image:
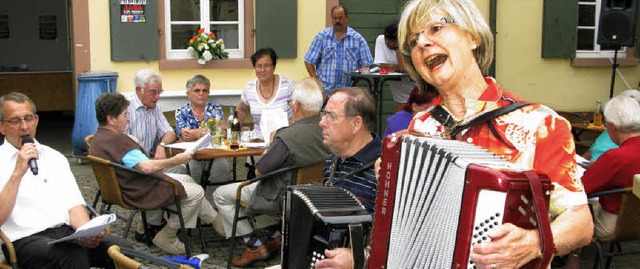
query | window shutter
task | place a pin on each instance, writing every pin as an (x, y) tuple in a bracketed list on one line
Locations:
[(559, 28), (277, 26), (134, 41)]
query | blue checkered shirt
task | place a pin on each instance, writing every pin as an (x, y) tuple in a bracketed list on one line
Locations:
[(332, 57)]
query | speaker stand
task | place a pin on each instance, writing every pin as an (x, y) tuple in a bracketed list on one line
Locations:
[(613, 67)]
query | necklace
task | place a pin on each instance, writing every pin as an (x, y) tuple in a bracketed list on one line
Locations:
[(271, 92), (196, 113)]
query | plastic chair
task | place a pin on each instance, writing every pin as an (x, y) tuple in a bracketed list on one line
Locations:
[(310, 174), (627, 228), (123, 258), (105, 173)]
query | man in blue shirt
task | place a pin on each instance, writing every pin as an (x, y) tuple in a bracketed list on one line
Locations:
[(335, 50)]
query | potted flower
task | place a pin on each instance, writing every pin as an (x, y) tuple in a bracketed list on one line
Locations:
[(205, 46)]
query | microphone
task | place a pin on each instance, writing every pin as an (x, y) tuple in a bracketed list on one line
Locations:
[(32, 162)]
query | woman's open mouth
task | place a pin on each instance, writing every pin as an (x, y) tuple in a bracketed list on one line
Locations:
[(436, 60)]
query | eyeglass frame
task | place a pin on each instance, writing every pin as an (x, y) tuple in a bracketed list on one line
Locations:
[(441, 23), (332, 117), (17, 121), (198, 91), (154, 92), (263, 66)]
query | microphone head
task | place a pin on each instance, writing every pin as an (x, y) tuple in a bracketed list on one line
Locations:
[(26, 139)]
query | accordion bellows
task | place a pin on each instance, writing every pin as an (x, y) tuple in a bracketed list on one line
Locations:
[(438, 197)]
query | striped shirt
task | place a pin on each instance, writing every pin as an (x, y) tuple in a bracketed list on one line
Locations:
[(186, 119), (332, 57), (148, 125), (362, 184), (250, 98)]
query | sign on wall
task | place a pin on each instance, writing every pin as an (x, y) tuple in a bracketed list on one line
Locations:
[(132, 11)]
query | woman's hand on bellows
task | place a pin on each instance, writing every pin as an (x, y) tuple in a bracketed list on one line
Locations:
[(511, 247)]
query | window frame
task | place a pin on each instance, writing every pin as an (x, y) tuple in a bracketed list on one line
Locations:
[(165, 63), (596, 52), (205, 23)]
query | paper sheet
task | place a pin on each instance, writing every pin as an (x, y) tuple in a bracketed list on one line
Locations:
[(271, 120), (203, 142), (91, 228)]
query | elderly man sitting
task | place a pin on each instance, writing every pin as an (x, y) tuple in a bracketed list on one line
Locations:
[(295, 146)]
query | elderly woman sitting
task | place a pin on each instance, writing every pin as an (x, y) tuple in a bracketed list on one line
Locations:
[(616, 167)]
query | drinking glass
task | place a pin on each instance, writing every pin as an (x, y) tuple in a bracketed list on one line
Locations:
[(245, 135)]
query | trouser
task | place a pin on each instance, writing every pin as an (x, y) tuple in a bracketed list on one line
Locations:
[(225, 199), (192, 207), (34, 252), (604, 222)]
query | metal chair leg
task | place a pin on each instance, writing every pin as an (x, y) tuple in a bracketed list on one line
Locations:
[(129, 222), (183, 232), (232, 238)]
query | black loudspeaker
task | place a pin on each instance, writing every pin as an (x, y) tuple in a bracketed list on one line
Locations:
[(617, 22)]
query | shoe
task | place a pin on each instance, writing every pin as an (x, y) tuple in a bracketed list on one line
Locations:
[(250, 256), (153, 230), (273, 245), (167, 240)]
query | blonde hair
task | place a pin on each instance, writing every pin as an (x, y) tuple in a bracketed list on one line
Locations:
[(465, 15)]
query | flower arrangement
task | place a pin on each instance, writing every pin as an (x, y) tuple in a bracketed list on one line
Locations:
[(205, 46), (212, 124)]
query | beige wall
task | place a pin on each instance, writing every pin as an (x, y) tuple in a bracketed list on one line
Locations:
[(554, 82), (311, 19), (520, 68)]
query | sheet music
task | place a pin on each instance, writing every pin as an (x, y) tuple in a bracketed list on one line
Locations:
[(194, 146), (271, 120), (90, 229)]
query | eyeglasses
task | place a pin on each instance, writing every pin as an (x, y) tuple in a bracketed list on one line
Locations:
[(330, 116), (155, 92), (198, 91), (431, 30), (15, 122), (290, 102), (263, 66)]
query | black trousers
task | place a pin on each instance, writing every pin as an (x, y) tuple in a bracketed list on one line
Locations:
[(34, 252)]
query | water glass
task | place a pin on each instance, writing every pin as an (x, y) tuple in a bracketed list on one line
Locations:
[(245, 135)]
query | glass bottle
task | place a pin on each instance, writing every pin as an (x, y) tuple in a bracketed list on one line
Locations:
[(234, 141), (229, 121), (597, 115)]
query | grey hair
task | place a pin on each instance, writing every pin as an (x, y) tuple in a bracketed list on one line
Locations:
[(198, 79), (466, 16), (308, 93), (145, 76), (623, 111), (17, 97)]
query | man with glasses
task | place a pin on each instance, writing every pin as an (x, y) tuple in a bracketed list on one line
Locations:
[(39, 207), (295, 146), (150, 127), (347, 123), (335, 50)]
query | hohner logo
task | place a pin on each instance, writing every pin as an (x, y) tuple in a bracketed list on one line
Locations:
[(385, 190)]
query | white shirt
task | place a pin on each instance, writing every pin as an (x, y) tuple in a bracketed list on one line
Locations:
[(383, 55), (43, 201)]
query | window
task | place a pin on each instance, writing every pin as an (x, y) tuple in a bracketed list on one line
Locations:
[(588, 19), (183, 18)]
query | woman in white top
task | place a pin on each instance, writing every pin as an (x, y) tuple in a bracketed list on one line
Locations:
[(267, 91)]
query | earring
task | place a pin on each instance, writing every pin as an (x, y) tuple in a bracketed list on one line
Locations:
[(474, 46)]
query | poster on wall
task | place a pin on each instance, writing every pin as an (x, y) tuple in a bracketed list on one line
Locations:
[(132, 11)]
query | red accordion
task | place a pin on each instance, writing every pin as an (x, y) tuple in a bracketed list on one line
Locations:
[(438, 197)]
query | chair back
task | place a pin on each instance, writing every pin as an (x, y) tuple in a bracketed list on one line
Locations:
[(310, 174), (627, 227), (11, 253), (107, 182), (88, 139)]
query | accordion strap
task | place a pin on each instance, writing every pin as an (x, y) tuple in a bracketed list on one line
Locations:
[(547, 247), (442, 116), (356, 235)]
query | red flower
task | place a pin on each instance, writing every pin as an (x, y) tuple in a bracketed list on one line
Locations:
[(193, 39), (201, 30), (212, 35)]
